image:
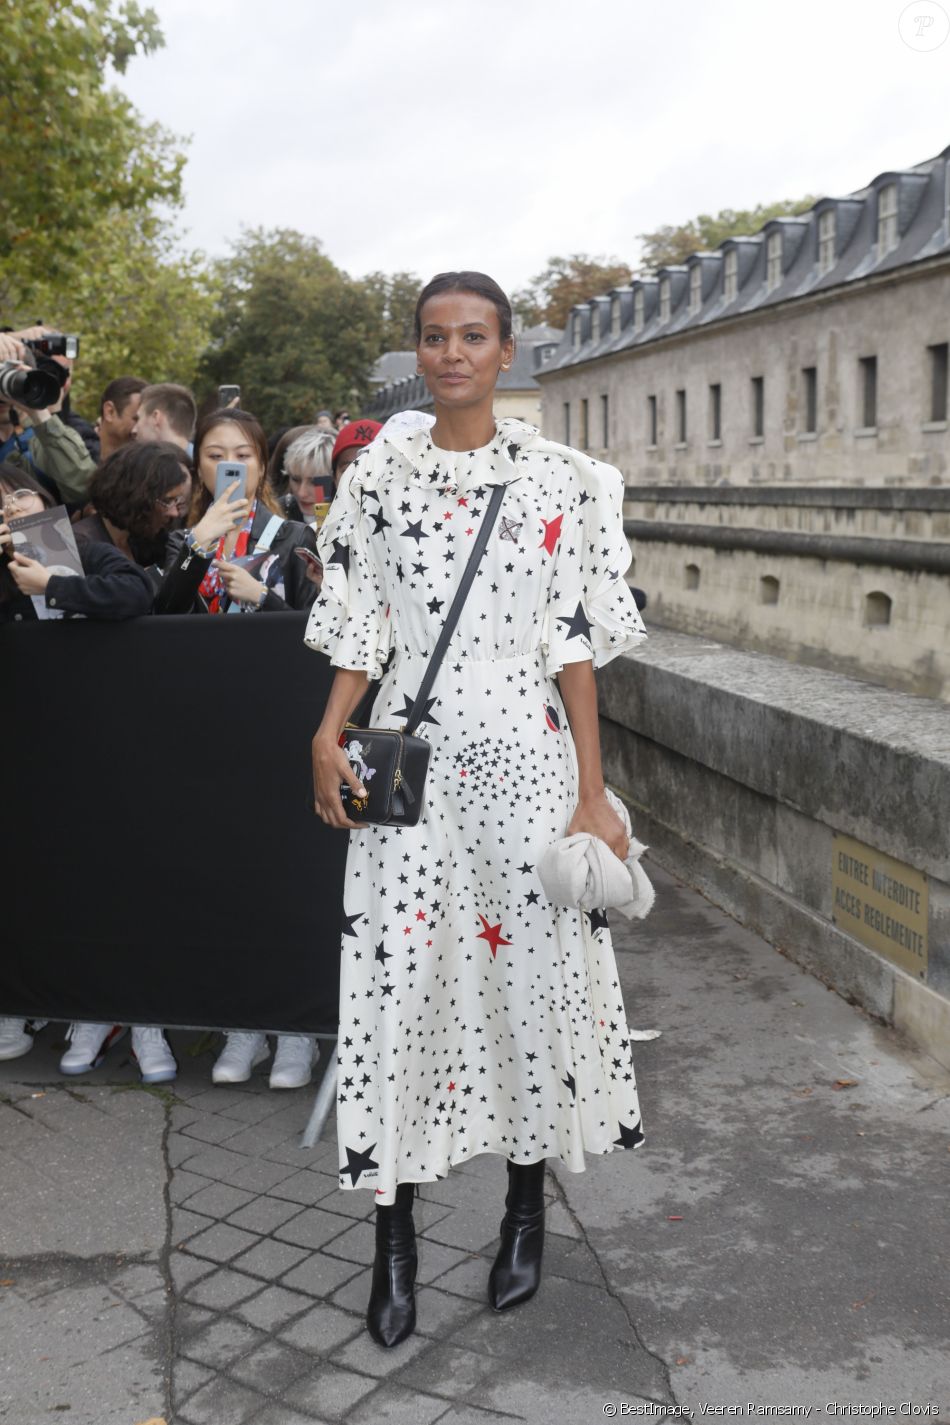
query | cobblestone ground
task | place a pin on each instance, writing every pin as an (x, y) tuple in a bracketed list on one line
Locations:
[(175, 1255)]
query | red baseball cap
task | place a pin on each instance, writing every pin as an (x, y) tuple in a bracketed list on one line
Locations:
[(355, 433)]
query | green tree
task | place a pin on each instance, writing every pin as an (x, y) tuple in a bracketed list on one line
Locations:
[(76, 152), (140, 306), (667, 246), (290, 328), (394, 299), (565, 281)]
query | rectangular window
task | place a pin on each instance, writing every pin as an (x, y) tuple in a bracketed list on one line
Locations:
[(567, 422), (578, 330), (826, 241), (758, 406), (638, 310), (887, 219), (681, 417), (730, 282), (867, 367), (665, 300), (585, 424), (715, 411), (615, 317), (773, 261), (651, 420), (605, 421), (809, 400), (595, 324), (695, 288), (938, 380)]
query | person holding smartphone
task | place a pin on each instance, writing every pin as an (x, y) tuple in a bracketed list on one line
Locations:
[(215, 563)]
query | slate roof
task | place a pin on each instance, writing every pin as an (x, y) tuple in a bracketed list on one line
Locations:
[(922, 223)]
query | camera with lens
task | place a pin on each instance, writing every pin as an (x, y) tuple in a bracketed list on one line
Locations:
[(23, 386)]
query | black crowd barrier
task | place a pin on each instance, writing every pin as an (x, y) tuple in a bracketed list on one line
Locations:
[(160, 865)]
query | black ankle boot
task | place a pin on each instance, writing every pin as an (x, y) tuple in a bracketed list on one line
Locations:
[(516, 1274), (391, 1314)]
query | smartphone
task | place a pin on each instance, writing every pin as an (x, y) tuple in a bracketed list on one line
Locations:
[(226, 473), (308, 556), (226, 394)]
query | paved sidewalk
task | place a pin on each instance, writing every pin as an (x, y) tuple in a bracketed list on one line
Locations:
[(781, 1238)]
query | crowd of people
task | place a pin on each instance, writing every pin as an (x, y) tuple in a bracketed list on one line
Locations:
[(173, 510)]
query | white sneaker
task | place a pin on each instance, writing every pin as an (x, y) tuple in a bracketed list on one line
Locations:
[(89, 1045), (293, 1062), (157, 1063), (14, 1040), (238, 1057)]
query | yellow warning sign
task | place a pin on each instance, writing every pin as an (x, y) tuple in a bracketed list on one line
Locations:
[(881, 902)]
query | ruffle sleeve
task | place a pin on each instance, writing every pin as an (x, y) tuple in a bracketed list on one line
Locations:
[(591, 613), (349, 619)]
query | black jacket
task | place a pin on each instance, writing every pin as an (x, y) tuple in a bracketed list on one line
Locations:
[(184, 570), (113, 588)]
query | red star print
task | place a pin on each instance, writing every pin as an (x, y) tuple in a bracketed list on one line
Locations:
[(428, 942), (447, 515), (451, 1087), (407, 930), (420, 915), (469, 531), (463, 501), (491, 933), (463, 772), (552, 533)]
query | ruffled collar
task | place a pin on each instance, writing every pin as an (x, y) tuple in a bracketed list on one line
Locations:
[(451, 471)]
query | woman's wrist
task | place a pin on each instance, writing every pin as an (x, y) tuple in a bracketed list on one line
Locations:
[(592, 792)]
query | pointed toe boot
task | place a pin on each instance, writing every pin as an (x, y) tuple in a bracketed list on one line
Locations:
[(516, 1273), (391, 1314)]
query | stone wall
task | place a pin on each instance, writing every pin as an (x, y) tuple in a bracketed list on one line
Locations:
[(894, 317), (744, 772)]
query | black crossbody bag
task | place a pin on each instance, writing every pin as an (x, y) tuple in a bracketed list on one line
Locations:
[(392, 765)]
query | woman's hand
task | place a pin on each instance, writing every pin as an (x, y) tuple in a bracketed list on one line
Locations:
[(239, 583), (29, 575), (220, 518), (596, 817), (330, 770)]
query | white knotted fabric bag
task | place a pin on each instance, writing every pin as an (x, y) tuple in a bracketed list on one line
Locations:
[(581, 870)]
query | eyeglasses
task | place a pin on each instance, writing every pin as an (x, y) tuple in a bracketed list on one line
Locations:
[(15, 498), (174, 504)]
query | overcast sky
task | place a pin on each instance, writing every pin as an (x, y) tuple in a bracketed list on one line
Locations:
[(494, 134)]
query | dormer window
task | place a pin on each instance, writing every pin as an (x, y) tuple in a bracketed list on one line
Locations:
[(731, 275), (773, 262), (615, 316), (578, 330), (695, 288), (887, 219), (665, 299), (595, 324), (638, 310), (826, 241)]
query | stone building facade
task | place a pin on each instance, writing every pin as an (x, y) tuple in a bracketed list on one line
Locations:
[(814, 351)]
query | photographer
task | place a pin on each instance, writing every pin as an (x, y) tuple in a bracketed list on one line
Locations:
[(113, 588), (43, 443)]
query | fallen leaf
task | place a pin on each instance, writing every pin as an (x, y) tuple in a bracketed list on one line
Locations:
[(844, 1083), (674, 1219), (38, 1095), (8, 1281), (154, 1421), (682, 1360)]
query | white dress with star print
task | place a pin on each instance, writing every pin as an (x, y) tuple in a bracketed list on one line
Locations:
[(474, 1015)]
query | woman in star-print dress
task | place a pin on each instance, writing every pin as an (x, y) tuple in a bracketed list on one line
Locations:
[(475, 1016)]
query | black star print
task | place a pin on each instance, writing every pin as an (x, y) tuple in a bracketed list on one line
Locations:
[(435, 605), (598, 920), (340, 555), (359, 1163), (415, 531), (629, 1137), (350, 921), (406, 709), (578, 625), (382, 955), (380, 521), (571, 1083)]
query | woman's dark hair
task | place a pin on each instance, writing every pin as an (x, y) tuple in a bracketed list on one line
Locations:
[(126, 487), (254, 432), (477, 283), (13, 477)]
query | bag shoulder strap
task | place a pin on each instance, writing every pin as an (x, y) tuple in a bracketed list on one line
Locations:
[(269, 534), (452, 617)]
